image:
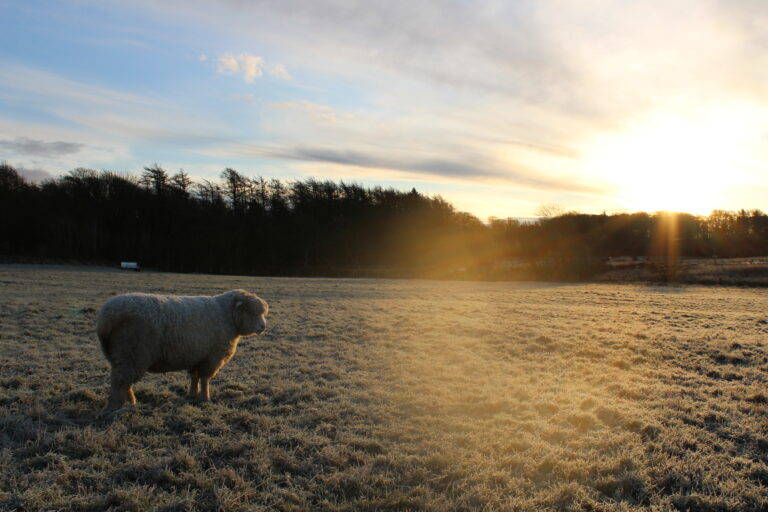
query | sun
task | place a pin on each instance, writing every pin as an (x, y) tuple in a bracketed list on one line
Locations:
[(673, 163)]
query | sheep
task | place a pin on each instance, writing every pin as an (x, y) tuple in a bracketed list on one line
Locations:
[(142, 333)]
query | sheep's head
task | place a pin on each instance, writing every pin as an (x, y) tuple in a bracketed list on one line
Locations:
[(250, 313)]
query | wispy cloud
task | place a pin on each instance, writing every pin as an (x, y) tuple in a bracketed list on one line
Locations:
[(26, 146), (279, 71), (415, 165), (78, 124), (104, 110), (55, 89), (42, 153), (316, 112), (250, 99), (600, 59)]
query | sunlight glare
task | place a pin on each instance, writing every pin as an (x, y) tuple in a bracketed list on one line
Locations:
[(675, 163)]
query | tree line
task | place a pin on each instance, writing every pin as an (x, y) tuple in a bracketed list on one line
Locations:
[(252, 225)]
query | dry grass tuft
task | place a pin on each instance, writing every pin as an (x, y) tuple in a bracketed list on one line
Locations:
[(396, 395)]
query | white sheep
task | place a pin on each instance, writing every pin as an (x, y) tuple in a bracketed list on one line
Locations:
[(142, 333)]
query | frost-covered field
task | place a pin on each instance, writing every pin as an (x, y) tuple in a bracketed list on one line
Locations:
[(396, 395)]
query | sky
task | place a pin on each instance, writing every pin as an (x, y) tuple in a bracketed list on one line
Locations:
[(498, 106)]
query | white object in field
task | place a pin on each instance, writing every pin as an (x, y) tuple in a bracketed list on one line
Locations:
[(130, 265)]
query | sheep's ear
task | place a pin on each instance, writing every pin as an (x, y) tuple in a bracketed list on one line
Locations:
[(238, 312)]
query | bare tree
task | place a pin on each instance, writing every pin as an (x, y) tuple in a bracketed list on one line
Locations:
[(549, 211)]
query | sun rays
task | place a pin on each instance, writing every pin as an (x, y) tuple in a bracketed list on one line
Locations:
[(677, 163)]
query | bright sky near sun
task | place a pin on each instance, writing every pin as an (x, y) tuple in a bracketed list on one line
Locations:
[(498, 106)]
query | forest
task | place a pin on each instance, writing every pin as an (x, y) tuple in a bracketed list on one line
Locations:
[(257, 226)]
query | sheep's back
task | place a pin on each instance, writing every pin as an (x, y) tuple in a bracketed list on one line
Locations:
[(178, 332)]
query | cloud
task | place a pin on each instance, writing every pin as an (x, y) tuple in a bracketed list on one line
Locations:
[(46, 90), (44, 159), (316, 112), (494, 46), (250, 66), (228, 64), (250, 99), (103, 112), (513, 92), (42, 154), (279, 71), (173, 130), (444, 144), (33, 175), (459, 168), (599, 59), (33, 147)]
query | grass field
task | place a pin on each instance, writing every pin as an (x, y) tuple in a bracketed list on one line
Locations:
[(751, 272), (396, 395)]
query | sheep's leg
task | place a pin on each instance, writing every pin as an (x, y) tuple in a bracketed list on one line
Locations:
[(206, 371), (205, 394), (194, 383), (120, 391), (117, 397), (123, 377)]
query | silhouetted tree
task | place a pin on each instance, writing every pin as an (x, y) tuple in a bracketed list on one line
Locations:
[(181, 182), (236, 187), (155, 178), (314, 227)]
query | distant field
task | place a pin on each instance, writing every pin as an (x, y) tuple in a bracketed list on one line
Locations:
[(723, 271), (396, 395)]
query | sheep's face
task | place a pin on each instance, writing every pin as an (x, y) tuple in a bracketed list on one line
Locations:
[(250, 314)]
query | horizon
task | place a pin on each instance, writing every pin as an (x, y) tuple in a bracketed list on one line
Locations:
[(544, 211), (497, 108)]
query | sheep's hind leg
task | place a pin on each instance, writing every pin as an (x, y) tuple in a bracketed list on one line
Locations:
[(194, 384)]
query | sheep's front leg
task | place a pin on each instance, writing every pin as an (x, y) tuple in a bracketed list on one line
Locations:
[(206, 371), (194, 384), (120, 391)]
